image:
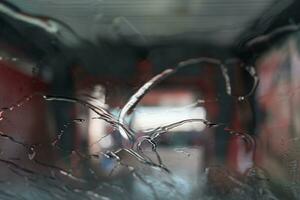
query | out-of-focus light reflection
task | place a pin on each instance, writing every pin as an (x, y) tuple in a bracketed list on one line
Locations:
[(151, 117), (97, 128)]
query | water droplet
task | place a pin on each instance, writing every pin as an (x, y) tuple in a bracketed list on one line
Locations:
[(1, 115), (31, 153), (241, 98), (34, 71), (54, 143), (79, 121)]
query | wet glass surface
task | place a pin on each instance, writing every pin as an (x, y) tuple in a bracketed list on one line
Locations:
[(149, 100)]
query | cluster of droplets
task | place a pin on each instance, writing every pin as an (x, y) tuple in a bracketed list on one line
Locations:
[(135, 149)]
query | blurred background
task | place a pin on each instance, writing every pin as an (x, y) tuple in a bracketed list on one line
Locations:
[(102, 52)]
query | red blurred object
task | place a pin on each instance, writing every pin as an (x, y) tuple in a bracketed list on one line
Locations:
[(29, 120)]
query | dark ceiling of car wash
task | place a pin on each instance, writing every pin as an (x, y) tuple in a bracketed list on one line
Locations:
[(205, 20), (120, 33)]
